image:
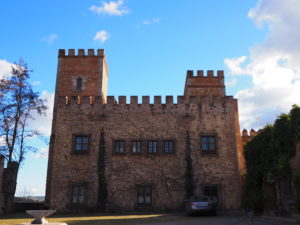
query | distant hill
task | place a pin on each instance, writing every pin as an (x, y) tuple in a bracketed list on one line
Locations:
[(30, 199)]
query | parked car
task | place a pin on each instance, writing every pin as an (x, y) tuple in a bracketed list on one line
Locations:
[(199, 204)]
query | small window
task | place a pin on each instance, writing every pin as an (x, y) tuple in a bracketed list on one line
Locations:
[(168, 146), (119, 146), (81, 143), (136, 147), (212, 192), (152, 146), (144, 195), (208, 144), (79, 84), (78, 194)]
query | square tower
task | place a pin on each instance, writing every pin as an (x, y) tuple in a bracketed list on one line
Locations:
[(82, 74)]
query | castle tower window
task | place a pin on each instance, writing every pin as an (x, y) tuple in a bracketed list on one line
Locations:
[(144, 194), (208, 144), (152, 146), (79, 84), (136, 147), (81, 143), (168, 146), (119, 146), (78, 194)]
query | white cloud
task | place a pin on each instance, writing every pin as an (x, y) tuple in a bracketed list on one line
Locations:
[(149, 22), (5, 68), (231, 83), (36, 83), (273, 65), (234, 65), (101, 36), (42, 153), (49, 39), (44, 123), (111, 8)]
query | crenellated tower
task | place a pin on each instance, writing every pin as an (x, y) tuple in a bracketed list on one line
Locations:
[(82, 74), (201, 85)]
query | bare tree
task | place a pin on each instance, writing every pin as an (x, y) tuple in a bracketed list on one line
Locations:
[(18, 105)]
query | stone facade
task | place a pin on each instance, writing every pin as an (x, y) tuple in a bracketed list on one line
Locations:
[(106, 169)]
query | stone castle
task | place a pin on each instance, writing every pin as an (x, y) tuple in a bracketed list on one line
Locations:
[(116, 154)]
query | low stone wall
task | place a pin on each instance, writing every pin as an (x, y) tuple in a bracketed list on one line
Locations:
[(1, 181), (22, 207)]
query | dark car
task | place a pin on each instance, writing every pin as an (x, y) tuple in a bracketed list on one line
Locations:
[(200, 204)]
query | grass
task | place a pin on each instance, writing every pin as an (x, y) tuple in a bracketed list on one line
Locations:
[(94, 219)]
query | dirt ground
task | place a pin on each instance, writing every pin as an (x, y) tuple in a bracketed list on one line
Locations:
[(149, 219)]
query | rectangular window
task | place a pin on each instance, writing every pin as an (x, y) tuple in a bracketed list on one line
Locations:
[(168, 146), (78, 194), (152, 146), (136, 147), (144, 195), (212, 192), (119, 146), (81, 143), (208, 144)]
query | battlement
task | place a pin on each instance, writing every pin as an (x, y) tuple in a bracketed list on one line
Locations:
[(252, 133), (80, 52), (200, 85), (247, 137), (209, 74), (204, 104)]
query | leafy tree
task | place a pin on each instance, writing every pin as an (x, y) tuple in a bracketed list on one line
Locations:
[(18, 105), (268, 155)]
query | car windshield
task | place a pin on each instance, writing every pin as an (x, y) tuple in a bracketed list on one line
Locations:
[(200, 199)]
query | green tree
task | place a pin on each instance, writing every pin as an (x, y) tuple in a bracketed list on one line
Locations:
[(268, 156)]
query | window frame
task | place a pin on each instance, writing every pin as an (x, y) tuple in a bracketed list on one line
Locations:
[(79, 84), (81, 151), (209, 151), (79, 185), (173, 146), (156, 149), (115, 141), (141, 147), (143, 186)]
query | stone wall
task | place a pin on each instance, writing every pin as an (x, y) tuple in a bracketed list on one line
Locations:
[(165, 172), (203, 110), (1, 182)]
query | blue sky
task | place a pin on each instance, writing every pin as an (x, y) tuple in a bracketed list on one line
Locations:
[(149, 46)]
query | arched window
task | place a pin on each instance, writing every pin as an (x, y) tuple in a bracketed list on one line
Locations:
[(79, 84)]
